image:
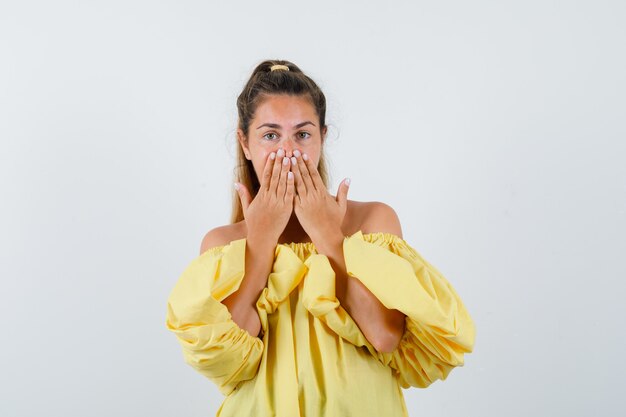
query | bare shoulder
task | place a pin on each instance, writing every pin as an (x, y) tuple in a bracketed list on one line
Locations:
[(221, 235), (376, 216)]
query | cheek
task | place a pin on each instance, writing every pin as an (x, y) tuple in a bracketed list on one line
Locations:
[(312, 151), (262, 153), (264, 158), (316, 158)]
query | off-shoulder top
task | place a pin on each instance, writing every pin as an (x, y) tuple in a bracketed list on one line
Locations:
[(313, 360)]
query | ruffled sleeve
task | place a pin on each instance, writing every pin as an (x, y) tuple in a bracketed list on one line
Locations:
[(212, 342), (319, 298), (438, 330)]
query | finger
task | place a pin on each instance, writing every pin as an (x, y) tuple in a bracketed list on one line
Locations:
[(306, 174), (282, 183), (244, 196), (315, 176), (267, 171), (342, 193), (295, 164), (290, 188), (276, 172)]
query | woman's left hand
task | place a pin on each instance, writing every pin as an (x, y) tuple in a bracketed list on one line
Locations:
[(320, 214)]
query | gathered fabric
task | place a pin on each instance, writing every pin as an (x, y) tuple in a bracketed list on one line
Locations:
[(313, 360)]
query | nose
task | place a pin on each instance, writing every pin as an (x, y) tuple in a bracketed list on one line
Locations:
[(288, 146)]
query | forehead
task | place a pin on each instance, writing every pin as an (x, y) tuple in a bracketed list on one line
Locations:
[(275, 108)]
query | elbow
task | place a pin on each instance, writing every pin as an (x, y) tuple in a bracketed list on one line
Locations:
[(389, 340), (387, 346), (387, 343)]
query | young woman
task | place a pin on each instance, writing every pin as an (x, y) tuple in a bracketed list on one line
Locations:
[(309, 304)]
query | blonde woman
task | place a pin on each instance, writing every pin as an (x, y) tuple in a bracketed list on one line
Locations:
[(309, 304)]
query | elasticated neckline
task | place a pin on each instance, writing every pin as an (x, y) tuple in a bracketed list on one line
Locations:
[(303, 249)]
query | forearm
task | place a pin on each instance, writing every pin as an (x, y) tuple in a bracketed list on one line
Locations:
[(242, 303), (382, 327)]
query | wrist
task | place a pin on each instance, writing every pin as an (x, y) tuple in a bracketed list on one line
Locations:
[(330, 243), (261, 242)]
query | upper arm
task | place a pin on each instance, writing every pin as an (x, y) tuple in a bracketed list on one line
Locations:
[(382, 218), (218, 236)]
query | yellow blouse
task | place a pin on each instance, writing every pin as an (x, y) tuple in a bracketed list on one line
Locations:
[(313, 359)]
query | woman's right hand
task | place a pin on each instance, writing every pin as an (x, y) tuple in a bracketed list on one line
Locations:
[(268, 213)]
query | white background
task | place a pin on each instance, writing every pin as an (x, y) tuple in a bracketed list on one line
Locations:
[(494, 128)]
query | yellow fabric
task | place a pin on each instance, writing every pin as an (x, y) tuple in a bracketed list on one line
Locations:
[(313, 359)]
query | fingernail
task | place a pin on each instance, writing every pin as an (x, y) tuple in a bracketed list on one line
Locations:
[(305, 157), (347, 181), (285, 160), (281, 152), (236, 185), (297, 153), (273, 156), (294, 160), (290, 175)]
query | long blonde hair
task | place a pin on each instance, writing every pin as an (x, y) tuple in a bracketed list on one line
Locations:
[(264, 82)]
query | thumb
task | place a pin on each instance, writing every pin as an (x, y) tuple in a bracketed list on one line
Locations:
[(342, 193), (244, 195)]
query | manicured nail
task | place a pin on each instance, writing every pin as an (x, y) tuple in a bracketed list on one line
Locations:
[(294, 160), (297, 153), (285, 160), (290, 175), (236, 185), (347, 181), (273, 156), (305, 157), (281, 152)]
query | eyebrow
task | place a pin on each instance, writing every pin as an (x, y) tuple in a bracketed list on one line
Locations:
[(276, 126)]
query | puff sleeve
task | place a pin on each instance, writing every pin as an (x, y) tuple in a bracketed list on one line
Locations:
[(212, 343), (319, 298), (438, 328)]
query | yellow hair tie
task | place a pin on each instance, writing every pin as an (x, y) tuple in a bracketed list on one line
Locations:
[(279, 67)]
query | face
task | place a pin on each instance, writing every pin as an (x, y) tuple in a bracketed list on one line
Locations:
[(282, 121)]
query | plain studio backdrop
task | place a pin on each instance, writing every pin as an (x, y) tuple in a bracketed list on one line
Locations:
[(495, 129)]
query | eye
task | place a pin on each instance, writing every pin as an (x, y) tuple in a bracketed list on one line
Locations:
[(265, 136), (306, 133)]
